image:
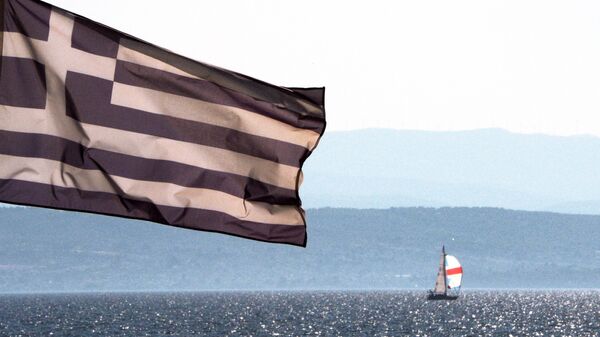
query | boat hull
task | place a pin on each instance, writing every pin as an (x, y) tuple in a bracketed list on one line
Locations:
[(441, 297)]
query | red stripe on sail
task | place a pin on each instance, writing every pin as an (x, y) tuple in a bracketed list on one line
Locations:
[(454, 271)]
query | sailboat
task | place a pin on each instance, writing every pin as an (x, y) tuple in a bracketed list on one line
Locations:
[(449, 279)]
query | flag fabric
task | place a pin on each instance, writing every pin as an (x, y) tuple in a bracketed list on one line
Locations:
[(94, 120)]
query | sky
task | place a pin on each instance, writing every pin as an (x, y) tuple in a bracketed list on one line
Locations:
[(529, 66)]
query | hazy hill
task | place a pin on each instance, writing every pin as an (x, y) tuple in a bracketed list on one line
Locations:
[(384, 168), (43, 250)]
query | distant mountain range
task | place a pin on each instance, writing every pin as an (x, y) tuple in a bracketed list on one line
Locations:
[(379, 168), (44, 250)]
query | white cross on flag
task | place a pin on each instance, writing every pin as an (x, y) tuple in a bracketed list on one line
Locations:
[(94, 120)]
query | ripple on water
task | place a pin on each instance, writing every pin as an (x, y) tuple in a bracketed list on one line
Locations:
[(526, 313)]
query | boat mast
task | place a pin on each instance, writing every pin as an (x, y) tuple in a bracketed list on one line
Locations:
[(440, 284), (444, 268)]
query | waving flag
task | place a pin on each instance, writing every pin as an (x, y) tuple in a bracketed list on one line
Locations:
[(94, 120)]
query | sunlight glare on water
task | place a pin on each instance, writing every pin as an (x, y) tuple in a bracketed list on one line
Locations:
[(403, 313)]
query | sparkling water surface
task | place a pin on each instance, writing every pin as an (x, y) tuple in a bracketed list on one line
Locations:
[(390, 313)]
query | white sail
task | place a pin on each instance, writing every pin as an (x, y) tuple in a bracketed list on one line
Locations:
[(454, 272)]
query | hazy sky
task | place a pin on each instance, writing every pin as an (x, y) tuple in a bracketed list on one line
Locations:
[(526, 66)]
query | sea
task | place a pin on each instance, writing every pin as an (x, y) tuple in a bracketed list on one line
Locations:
[(319, 313)]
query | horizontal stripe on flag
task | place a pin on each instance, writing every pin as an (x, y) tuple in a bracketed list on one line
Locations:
[(139, 75), (140, 52), (186, 108), (30, 193), (89, 102), (94, 38), (148, 146), (57, 173), (75, 154)]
